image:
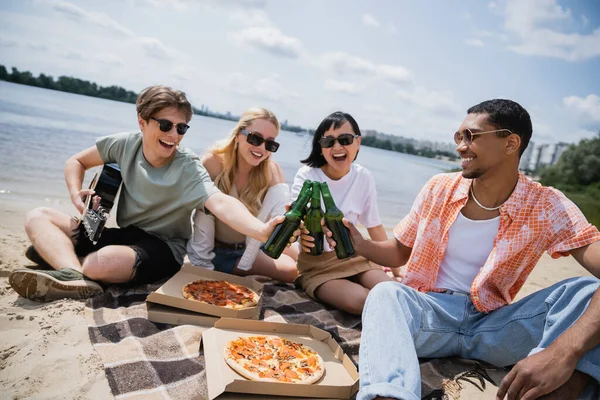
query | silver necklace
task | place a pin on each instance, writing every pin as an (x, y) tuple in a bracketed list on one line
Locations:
[(481, 205)]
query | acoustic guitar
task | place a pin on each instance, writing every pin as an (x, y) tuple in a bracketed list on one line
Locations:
[(106, 184)]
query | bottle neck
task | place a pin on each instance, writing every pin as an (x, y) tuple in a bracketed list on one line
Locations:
[(327, 199), (302, 201)]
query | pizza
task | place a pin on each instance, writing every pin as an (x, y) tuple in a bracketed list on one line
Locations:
[(220, 293), (274, 359)]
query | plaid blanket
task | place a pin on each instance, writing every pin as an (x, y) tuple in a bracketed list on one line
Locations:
[(143, 359)]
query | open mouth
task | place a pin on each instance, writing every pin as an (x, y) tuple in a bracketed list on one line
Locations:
[(256, 155), (465, 161), (166, 144), (339, 157)]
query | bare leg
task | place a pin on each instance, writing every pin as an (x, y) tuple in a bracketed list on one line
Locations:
[(344, 295), (283, 269), (372, 277), (50, 233), (110, 264)]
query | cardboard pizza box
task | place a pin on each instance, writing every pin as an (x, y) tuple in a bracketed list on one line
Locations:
[(170, 294), (176, 316), (340, 380)]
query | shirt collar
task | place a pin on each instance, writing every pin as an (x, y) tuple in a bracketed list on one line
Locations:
[(511, 206)]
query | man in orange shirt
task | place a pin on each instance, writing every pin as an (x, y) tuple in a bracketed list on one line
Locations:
[(469, 242)]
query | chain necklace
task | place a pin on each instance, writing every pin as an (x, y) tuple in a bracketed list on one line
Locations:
[(481, 205)]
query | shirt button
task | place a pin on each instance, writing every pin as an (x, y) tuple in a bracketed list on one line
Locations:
[(502, 208), (505, 217)]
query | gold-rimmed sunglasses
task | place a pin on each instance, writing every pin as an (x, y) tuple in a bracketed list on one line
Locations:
[(467, 135)]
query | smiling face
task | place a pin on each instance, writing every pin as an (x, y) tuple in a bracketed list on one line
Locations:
[(159, 147), (339, 158), (249, 154), (488, 152)]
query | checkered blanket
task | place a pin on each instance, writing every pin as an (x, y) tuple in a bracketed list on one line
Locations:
[(143, 359)]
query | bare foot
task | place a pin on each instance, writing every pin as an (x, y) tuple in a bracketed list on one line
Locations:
[(571, 389)]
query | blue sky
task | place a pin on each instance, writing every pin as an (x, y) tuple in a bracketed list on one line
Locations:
[(409, 68)]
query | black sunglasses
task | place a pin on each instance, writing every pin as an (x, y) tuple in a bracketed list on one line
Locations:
[(255, 140), (344, 139), (165, 125)]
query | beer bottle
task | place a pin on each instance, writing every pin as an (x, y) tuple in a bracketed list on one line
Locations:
[(312, 222), (333, 219), (284, 231)]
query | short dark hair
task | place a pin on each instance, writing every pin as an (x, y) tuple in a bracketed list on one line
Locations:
[(335, 120), (507, 114)]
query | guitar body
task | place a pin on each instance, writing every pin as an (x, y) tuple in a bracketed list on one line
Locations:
[(105, 184)]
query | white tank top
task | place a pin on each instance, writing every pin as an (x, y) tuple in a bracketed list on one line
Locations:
[(469, 245)]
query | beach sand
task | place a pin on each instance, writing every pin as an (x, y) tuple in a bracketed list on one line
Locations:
[(45, 351)]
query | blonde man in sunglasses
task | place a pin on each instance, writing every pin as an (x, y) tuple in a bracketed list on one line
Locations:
[(162, 184), (242, 167), (469, 243)]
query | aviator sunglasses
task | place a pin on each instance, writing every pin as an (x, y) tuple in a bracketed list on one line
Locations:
[(468, 135), (344, 139), (255, 140), (165, 125)]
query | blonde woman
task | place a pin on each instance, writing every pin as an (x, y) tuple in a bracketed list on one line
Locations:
[(241, 166)]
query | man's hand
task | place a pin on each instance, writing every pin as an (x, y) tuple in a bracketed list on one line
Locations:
[(537, 375), (356, 237), (78, 197)]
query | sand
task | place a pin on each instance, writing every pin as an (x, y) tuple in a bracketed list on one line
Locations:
[(45, 351)]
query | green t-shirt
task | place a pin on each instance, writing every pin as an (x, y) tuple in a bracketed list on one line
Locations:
[(158, 200)]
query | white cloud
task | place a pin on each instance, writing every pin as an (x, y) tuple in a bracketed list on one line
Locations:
[(7, 43), (587, 109), (370, 20), (73, 55), (342, 87), (266, 88), (534, 23), (250, 17), (474, 42), (344, 63), (429, 100), (109, 59), (183, 72), (80, 15), (270, 39), (154, 48)]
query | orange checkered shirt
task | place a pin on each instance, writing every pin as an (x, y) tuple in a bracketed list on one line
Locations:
[(534, 219)]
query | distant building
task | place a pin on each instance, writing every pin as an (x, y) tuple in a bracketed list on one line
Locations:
[(559, 148), (526, 158)]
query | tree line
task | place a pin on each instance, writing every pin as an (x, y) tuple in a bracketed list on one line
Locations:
[(407, 148), (68, 84), (577, 175)]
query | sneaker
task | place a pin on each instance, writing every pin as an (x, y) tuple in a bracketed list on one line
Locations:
[(38, 285), (33, 256)]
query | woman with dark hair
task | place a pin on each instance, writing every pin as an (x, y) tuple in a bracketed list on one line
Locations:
[(343, 284)]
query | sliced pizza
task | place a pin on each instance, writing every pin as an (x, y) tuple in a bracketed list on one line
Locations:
[(221, 293), (274, 359)]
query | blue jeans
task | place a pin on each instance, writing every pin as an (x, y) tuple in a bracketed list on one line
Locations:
[(401, 324), (226, 259)]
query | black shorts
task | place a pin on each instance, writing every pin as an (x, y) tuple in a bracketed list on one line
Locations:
[(154, 259)]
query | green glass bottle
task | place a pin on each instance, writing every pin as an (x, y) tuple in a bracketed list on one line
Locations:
[(333, 219), (282, 233), (312, 222)]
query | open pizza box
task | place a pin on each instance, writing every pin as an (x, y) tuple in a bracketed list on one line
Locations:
[(340, 380), (167, 304)]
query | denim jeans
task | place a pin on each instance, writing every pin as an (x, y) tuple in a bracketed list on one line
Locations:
[(401, 324), (226, 259)]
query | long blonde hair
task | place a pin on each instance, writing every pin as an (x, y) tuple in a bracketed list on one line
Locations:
[(254, 192)]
